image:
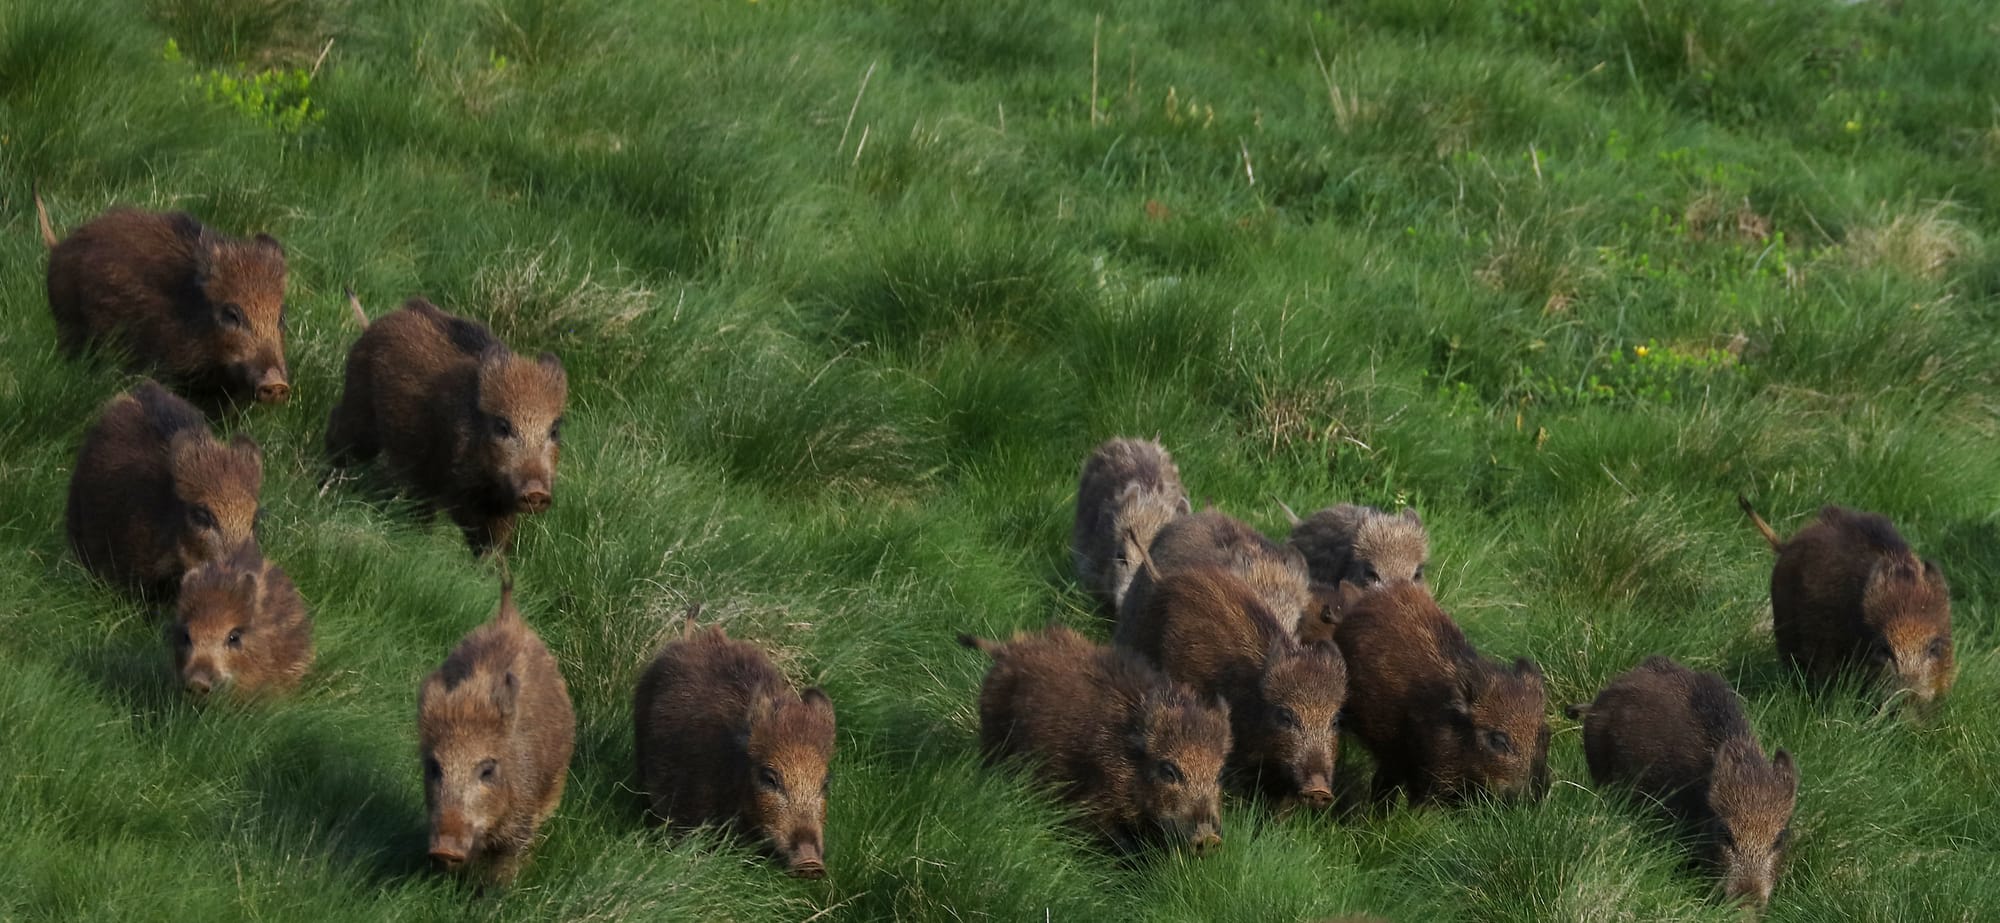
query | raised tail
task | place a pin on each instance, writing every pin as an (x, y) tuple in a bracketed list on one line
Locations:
[(360, 316), (42, 218), (977, 643), (1763, 528), (688, 622), (1290, 516)]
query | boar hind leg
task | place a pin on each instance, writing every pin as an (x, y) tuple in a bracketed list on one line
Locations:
[(349, 439)]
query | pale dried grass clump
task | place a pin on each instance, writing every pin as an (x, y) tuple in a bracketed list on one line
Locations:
[(543, 293), (1923, 243)]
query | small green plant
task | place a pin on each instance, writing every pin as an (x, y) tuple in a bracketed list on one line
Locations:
[(278, 99), (1645, 374)]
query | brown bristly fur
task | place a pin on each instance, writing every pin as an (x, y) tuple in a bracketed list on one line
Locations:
[(204, 310), (1680, 738), (1206, 628), (1128, 490), (723, 738), (1441, 720), (1847, 592), (457, 417), (1276, 573), (1138, 753), (497, 703), (1362, 545), (240, 625), (154, 494)]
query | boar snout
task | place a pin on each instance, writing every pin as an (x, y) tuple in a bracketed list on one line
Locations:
[(272, 388), (807, 859), (200, 680), (1317, 790), (533, 496), (1206, 840)]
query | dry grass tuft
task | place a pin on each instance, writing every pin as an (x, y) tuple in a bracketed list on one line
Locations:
[(1922, 243)]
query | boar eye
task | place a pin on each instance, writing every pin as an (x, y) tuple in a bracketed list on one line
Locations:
[(768, 778), (233, 315), (235, 638), (1287, 717), (502, 427), (201, 517), (555, 430), (431, 769), (1784, 839), (1419, 575), (488, 770), (1368, 575), (284, 315), (180, 636), (1937, 648), (1499, 742), (1170, 772)]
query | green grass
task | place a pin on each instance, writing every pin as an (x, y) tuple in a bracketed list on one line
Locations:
[(835, 355)]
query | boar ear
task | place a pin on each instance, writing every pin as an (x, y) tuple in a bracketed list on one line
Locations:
[(1934, 576), (816, 697), (551, 362), (242, 442), (1410, 513), (1527, 669), (1782, 762), (505, 692), (270, 244), (1184, 506)]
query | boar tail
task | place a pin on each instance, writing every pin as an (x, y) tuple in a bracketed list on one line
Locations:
[(688, 622), (1763, 528), (977, 643), (1145, 555), (360, 316), (1290, 516), (42, 218)]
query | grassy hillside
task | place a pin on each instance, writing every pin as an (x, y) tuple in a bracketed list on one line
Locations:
[(846, 292)]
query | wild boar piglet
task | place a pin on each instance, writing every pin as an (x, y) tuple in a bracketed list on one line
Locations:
[(495, 730), (204, 310), (1276, 573), (1361, 544), (241, 626), (1679, 738), (722, 737), (1141, 755), (1128, 491), (1847, 592), (458, 417), (1441, 720), (1204, 627), (154, 493)]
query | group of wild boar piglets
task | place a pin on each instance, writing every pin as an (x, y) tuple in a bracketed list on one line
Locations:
[(1238, 659), (162, 508), (1235, 659)]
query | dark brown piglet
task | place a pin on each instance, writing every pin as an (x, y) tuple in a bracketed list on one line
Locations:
[(1848, 592), (1276, 573), (154, 493), (204, 310), (723, 738), (495, 729), (241, 626), (1137, 752), (1361, 544), (1441, 720), (1204, 627), (456, 416), (1128, 491), (1679, 738)]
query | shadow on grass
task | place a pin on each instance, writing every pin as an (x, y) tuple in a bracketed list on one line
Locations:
[(321, 797)]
